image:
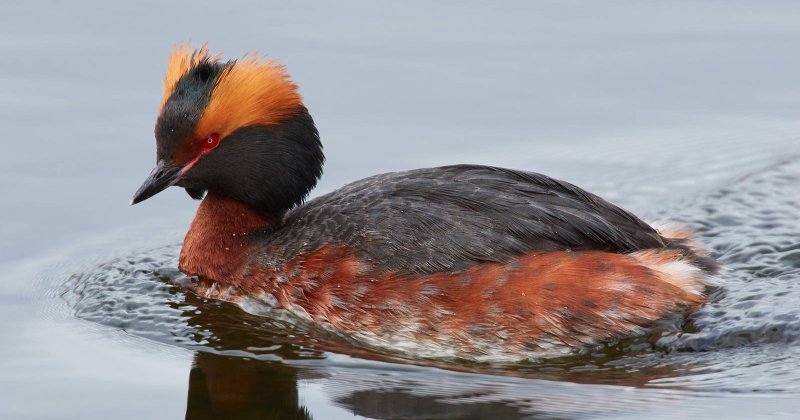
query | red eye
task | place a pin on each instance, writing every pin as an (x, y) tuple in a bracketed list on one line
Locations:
[(211, 142)]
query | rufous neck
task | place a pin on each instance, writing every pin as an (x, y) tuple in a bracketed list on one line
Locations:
[(219, 240)]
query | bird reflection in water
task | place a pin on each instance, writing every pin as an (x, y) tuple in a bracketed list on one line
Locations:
[(234, 387), (223, 387)]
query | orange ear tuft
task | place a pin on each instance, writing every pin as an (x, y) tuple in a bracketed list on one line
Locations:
[(251, 91), (182, 59)]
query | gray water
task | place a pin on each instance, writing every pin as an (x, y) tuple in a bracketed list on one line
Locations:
[(676, 111)]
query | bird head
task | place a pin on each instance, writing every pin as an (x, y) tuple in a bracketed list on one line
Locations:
[(236, 128)]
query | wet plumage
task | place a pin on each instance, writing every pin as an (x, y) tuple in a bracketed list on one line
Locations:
[(462, 261)]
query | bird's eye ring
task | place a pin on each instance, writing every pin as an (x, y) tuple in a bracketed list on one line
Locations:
[(212, 141)]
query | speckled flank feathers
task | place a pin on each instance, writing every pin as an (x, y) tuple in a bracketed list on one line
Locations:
[(532, 306)]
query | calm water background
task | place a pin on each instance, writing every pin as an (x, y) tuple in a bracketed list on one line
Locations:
[(675, 110)]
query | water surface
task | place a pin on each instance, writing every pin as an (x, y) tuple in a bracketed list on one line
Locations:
[(683, 112)]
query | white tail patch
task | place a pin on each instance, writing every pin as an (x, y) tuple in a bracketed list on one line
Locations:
[(684, 275), (677, 270), (672, 230)]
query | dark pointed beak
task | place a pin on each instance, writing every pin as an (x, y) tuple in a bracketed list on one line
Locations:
[(164, 175)]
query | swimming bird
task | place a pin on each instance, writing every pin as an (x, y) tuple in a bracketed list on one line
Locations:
[(465, 261)]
